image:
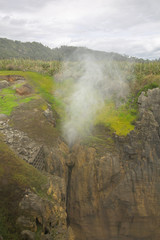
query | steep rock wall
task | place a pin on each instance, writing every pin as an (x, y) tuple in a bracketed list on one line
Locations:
[(116, 196)]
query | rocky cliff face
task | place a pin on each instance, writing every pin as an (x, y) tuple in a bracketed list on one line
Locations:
[(116, 195), (106, 193)]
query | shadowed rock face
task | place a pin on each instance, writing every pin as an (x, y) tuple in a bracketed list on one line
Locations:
[(117, 196)]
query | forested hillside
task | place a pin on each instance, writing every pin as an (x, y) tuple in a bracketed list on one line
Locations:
[(37, 51), (17, 49)]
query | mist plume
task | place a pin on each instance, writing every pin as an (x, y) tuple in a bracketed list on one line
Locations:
[(88, 95)]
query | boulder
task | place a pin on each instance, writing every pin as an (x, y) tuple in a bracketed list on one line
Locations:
[(4, 84), (24, 90), (49, 115)]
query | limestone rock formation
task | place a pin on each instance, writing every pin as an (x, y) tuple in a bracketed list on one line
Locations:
[(24, 146), (107, 194), (116, 196), (43, 216)]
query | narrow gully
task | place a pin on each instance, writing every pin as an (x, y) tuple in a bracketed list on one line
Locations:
[(70, 167)]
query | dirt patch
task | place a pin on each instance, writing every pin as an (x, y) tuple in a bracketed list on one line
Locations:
[(30, 118)]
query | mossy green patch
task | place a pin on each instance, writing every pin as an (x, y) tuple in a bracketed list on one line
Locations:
[(43, 107), (19, 171), (7, 221), (43, 85), (120, 119), (9, 100)]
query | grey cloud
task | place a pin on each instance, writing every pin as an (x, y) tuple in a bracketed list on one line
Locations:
[(126, 26), (22, 5)]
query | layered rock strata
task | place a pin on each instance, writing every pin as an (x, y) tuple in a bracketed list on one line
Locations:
[(116, 196)]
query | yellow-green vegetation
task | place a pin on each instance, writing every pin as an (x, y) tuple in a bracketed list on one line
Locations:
[(44, 86), (43, 106), (120, 119), (9, 100), (15, 176), (140, 76)]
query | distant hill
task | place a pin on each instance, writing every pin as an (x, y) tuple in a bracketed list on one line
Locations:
[(37, 51), (17, 49)]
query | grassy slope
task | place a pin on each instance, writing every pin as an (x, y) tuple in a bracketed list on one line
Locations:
[(44, 86), (15, 176)]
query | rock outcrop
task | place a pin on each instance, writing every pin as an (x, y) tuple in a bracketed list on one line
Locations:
[(107, 194), (25, 89), (24, 146), (41, 217), (116, 196), (3, 84)]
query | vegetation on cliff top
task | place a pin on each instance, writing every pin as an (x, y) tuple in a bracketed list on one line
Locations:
[(43, 85), (10, 100), (140, 77)]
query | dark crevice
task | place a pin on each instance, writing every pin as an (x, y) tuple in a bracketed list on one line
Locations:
[(68, 192), (38, 223), (46, 231)]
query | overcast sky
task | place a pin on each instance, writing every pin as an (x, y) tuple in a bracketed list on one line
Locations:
[(129, 27)]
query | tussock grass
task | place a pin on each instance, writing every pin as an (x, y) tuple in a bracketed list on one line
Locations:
[(44, 67)]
